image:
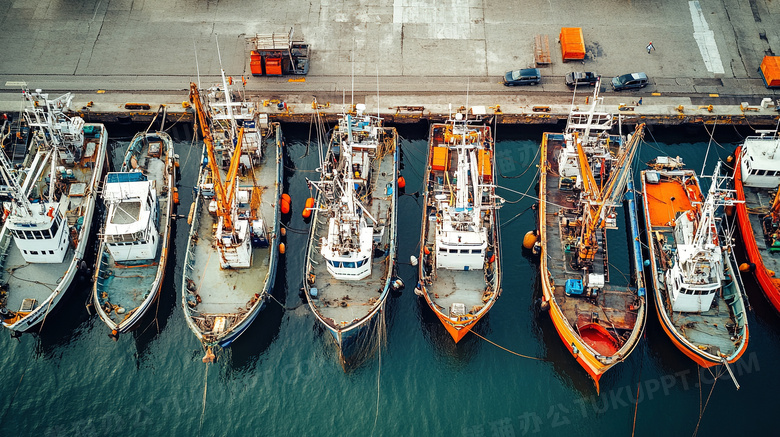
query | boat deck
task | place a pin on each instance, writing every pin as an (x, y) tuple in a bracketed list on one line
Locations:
[(710, 331), (125, 286), (344, 302), (615, 309), (669, 199), (759, 202), (228, 291), (128, 285), (31, 281), (38, 281)]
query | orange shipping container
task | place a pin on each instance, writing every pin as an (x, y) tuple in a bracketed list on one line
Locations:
[(572, 43), (485, 165), (273, 66), (440, 158), (770, 69)]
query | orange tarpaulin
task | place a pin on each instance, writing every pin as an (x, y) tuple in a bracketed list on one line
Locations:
[(770, 69), (663, 210), (440, 158), (572, 43), (485, 165)]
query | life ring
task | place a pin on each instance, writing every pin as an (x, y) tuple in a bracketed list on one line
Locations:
[(690, 215)]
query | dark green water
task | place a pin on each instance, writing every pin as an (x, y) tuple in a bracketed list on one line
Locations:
[(282, 376)]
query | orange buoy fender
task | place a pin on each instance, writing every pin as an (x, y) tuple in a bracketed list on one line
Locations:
[(175, 196), (307, 209), (281, 248), (529, 239), (401, 182), (286, 197), (285, 205)]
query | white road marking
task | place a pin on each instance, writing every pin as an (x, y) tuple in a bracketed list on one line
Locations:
[(705, 38)]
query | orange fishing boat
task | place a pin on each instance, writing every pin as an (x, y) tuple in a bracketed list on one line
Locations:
[(460, 258), (698, 293), (756, 179), (584, 173)]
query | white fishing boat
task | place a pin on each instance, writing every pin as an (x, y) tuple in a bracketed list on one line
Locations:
[(232, 252), (460, 253), (352, 243), (48, 222), (698, 290), (134, 239)]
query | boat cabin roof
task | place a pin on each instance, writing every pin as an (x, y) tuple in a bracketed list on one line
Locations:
[(763, 152)]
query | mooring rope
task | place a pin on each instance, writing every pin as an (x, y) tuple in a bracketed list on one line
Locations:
[(379, 370), (502, 347), (636, 404), (702, 409), (205, 389)]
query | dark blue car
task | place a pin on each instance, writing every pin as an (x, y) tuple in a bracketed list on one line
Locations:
[(526, 76)]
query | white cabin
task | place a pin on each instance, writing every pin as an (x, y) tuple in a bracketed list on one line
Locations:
[(131, 230), (39, 232), (760, 163), (694, 278)]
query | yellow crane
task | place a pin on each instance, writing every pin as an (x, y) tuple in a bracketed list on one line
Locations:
[(601, 200), (224, 195)]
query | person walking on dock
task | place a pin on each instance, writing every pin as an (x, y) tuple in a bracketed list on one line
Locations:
[(650, 47)]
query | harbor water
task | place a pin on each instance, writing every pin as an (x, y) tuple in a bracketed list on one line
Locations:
[(283, 377)]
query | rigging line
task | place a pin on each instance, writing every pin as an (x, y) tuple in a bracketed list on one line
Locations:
[(176, 122), (532, 197), (379, 370), (501, 347), (516, 216), (636, 404), (525, 171), (205, 389), (707, 152), (701, 414), (712, 135), (192, 143)]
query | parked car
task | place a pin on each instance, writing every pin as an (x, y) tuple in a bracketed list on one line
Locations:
[(581, 78), (629, 81), (526, 76)]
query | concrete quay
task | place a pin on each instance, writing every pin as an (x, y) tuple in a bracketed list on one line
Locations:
[(408, 60)]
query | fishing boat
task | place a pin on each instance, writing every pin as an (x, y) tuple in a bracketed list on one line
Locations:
[(698, 293), (233, 246), (350, 255), (134, 239), (756, 179), (459, 266), (598, 312), (48, 220)]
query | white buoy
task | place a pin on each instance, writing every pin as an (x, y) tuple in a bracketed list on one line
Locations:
[(413, 260)]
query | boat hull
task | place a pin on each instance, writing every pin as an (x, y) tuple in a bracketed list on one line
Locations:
[(451, 284), (75, 257), (334, 301), (144, 281), (675, 324), (242, 298), (770, 285), (596, 348)]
